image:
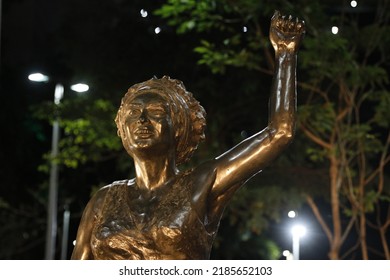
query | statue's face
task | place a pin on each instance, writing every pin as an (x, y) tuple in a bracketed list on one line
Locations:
[(147, 124)]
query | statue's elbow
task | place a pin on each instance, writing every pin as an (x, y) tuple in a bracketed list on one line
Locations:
[(284, 135)]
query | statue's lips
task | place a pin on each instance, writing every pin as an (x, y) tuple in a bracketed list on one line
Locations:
[(143, 132)]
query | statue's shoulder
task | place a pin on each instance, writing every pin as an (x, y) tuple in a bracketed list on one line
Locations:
[(125, 182), (203, 176), (100, 196), (114, 184), (206, 169), (101, 193)]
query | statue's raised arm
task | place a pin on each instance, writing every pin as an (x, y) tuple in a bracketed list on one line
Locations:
[(250, 156)]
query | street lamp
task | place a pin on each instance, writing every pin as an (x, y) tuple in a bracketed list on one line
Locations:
[(297, 231), (79, 87), (291, 214), (51, 232)]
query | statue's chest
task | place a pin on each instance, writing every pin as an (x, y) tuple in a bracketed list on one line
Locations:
[(128, 209), (168, 209), (136, 225)]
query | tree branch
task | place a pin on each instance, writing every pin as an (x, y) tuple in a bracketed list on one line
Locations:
[(385, 158), (318, 215), (348, 228), (315, 138)]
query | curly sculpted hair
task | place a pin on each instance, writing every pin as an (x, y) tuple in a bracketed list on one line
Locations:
[(187, 115)]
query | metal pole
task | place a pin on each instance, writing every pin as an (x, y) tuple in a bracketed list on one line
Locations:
[(65, 234), (51, 232), (295, 246)]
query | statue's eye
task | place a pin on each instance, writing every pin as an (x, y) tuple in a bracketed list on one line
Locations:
[(134, 112), (158, 112)]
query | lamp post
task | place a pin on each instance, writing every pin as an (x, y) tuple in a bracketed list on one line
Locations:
[(51, 232), (65, 233), (297, 232)]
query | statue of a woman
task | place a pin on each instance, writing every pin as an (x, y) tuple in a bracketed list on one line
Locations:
[(164, 213)]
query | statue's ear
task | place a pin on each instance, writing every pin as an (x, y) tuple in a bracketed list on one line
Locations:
[(119, 133)]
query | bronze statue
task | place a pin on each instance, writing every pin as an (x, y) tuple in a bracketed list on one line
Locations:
[(165, 213)]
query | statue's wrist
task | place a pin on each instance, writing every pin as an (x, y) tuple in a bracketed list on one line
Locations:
[(287, 55)]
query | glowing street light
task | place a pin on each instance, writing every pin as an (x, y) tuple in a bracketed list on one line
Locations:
[(354, 4), (144, 13), (79, 87), (38, 77), (335, 30), (291, 214), (51, 232), (297, 231)]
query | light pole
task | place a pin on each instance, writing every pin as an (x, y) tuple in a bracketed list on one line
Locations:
[(65, 233), (297, 232), (51, 232)]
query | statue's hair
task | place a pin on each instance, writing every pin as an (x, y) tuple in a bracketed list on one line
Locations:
[(188, 116)]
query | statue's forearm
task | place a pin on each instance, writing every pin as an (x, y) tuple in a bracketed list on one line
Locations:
[(282, 116), (254, 153)]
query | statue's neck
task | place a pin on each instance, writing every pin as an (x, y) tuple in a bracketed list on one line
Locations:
[(154, 173)]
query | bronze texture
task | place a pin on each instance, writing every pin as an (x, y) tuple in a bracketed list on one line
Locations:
[(164, 213)]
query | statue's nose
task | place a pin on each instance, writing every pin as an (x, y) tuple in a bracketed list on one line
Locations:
[(142, 118)]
